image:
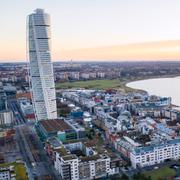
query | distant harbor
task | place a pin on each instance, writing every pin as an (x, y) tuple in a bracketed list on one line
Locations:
[(168, 87)]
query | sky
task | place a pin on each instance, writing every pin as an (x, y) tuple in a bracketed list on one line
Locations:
[(96, 29)]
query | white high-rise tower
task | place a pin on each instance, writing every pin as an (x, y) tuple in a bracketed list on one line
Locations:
[(41, 68)]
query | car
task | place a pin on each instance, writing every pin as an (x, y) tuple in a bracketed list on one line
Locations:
[(156, 167)]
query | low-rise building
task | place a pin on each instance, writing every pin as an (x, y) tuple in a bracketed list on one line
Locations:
[(92, 75), (27, 108), (7, 173), (172, 114), (6, 118), (85, 76), (74, 75), (61, 129), (51, 145), (101, 74)]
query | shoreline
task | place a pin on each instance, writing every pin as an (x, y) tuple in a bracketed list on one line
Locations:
[(146, 78), (152, 77), (120, 84), (158, 77)]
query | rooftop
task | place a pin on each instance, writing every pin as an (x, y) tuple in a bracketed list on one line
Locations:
[(54, 142), (69, 157), (62, 151), (151, 147), (55, 125), (39, 11), (90, 158)]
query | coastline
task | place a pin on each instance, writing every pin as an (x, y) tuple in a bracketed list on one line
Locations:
[(126, 82), (120, 84), (174, 105)]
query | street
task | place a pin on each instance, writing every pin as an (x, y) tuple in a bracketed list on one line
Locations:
[(18, 115), (37, 163)]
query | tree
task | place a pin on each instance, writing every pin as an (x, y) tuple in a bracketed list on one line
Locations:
[(140, 176), (119, 177), (124, 177)]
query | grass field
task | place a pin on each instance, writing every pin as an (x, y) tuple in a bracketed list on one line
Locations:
[(93, 84), (162, 173), (20, 170)]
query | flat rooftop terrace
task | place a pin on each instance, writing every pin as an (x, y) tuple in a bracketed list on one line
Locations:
[(54, 142), (55, 125)]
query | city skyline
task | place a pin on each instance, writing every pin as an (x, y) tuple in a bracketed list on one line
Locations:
[(97, 30)]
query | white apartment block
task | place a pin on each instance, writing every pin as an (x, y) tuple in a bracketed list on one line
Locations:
[(85, 75), (67, 166), (91, 169), (151, 155), (5, 175), (75, 75), (41, 68), (92, 75), (6, 117), (101, 74)]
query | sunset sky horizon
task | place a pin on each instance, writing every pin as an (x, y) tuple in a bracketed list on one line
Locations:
[(96, 30)]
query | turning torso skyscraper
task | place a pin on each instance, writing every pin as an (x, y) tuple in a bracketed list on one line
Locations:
[(41, 68)]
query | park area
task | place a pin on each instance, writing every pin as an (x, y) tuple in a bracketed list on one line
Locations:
[(94, 84), (162, 173), (19, 170)]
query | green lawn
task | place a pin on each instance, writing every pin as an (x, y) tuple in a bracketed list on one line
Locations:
[(92, 84), (165, 172), (20, 170)]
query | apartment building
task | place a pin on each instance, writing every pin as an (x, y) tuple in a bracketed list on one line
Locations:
[(6, 118), (155, 154), (66, 164), (94, 167), (72, 167)]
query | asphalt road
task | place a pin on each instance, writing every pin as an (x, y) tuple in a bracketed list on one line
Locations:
[(35, 169), (24, 153), (18, 115), (39, 168)]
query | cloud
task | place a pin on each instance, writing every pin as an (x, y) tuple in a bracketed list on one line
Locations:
[(161, 50)]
